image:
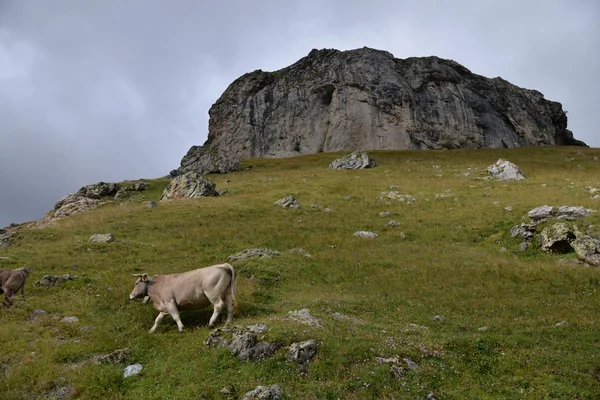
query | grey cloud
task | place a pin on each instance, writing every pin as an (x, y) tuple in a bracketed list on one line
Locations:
[(112, 90)]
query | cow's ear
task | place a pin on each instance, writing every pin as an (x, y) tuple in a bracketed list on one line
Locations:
[(144, 277)]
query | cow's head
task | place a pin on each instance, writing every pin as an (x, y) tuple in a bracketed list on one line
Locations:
[(141, 286)]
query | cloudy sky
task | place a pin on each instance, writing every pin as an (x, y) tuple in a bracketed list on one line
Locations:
[(107, 90)]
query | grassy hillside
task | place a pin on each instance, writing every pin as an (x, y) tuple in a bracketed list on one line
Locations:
[(480, 322)]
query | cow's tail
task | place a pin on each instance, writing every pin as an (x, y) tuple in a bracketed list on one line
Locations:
[(232, 286)]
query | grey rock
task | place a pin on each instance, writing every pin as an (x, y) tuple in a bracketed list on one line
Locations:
[(410, 364), (566, 212), (288, 202), (541, 213), (356, 160), (504, 170), (366, 99), (384, 214), (252, 253), (272, 392), (557, 238), (189, 185), (403, 198), (101, 238), (207, 160), (304, 317), (151, 204), (241, 343), (365, 234), (302, 352), (257, 328), (524, 231), (51, 280), (132, 370), (397, 371), (116, 357), (392, 223), (69, 320), (300, 250)]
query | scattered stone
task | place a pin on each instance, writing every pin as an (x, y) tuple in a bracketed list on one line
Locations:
[(272, 392), (403, 198), (51, 280), (504, 170), (69, 320), (503, 250), (132, 370), (258, 328), (392, 223), (187, 186), (151, 204), (384, 214), (397, 371), (570, 213), (387, 360), (431, 396), (60, 393), (35, 314), (303, 316), (410, 364), (289, 202), (300, 250), (356, 160), (365, 234), (523, 246), (303, 352), (438, 318), (483, 328), (101, 238), (251, 253), (116, 357), (327, 210), (561, 323), (508, 208), (392, 187)]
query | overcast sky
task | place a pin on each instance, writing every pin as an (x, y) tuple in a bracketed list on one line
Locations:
[(107, 90)]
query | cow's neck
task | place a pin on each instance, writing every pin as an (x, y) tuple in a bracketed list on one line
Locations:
[(147, 286)]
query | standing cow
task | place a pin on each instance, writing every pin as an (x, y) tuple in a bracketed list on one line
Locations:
[(189, 291), (11, 282)]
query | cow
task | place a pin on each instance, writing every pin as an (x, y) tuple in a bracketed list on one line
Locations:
[(11, 281), (189, 290)]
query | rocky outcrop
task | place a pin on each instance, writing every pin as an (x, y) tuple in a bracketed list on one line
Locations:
[(366, 99), (189, 185), (87, 198), (206, 160)]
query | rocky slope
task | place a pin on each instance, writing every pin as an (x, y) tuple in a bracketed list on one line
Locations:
[(335, 100)]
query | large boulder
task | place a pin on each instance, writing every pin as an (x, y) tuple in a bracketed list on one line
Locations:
[(355, 160), (188, 185), (504, 170), (367, 99), (206, 160)]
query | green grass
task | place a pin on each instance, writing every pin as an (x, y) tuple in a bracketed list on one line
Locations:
[(444, 259)]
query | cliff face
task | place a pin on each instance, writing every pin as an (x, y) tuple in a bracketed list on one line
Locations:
[(366, 99)]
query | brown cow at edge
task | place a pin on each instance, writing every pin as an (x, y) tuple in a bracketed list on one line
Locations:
[(11, 281), (190, 290)]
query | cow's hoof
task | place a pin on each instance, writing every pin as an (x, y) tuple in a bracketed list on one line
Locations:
[(181, 331)]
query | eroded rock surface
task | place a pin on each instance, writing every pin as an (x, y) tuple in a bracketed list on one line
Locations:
[(367, 99)]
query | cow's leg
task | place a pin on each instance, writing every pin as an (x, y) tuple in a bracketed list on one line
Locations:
[(229, 302), (157, 321), (172, 308), (8, 298), (218, 306)]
